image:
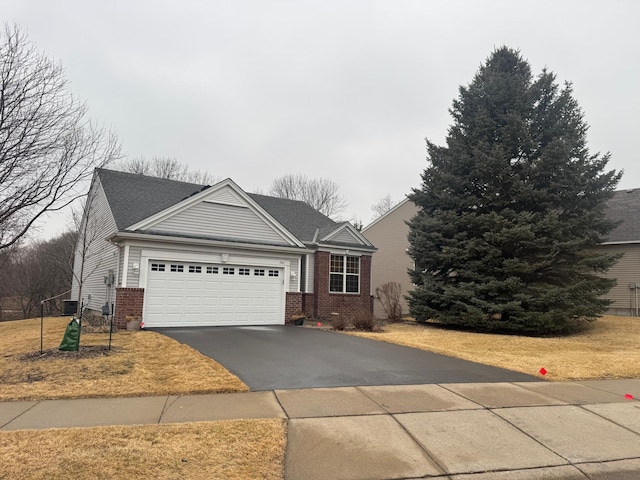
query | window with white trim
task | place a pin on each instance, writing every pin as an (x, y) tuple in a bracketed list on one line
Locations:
[(228, 270), (274, 273), (244, 271), (212, 270), (344, 276), (195, 269), (177, 268), (258, 272), (157, 267)]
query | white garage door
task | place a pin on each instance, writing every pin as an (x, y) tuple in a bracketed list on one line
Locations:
[(197, 294)]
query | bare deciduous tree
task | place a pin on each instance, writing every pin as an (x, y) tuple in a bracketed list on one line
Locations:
[(48, 147), (381, 207), (389, 296), (322, 194), (34, 272), (165, 167)]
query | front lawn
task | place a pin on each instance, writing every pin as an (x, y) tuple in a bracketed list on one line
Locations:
[(609, 348), (139, 364)]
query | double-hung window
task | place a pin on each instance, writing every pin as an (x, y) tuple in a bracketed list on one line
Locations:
[(344, 276)]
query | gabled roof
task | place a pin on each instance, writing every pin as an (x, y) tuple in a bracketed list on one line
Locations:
[(385, 214), (134, 198), (298, 217), (624, 207)]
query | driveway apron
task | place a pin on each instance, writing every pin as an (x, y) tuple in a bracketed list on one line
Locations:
[(287, 357)]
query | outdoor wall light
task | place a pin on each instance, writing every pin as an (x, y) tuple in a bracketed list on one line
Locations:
[(136, 268)]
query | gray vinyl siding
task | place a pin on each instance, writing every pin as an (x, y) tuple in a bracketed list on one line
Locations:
[(238, 223), (226, 195), (120, 265), (626, 271), (135, 254), (133, 279), (101, 256), (310, 269), (345, 236)]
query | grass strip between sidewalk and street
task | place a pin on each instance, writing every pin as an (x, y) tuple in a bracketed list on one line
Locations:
[(233, 450), (608, 348)]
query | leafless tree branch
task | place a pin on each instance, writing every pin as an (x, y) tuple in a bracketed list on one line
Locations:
[(48, 147), (165, 167), (322, 194)]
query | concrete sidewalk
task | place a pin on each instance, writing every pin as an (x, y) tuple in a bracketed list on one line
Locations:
[(465, 431)]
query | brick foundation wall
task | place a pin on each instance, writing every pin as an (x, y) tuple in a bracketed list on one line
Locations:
[(298, 302), (129, 301), (293, 305), (346, 304)]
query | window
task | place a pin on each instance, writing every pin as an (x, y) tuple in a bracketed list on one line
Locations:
[(157, 267), (274, 273), (212, 270), (195, 269), (244, 271), (228, 271), (259, 272), (177, 268), (344, 276)]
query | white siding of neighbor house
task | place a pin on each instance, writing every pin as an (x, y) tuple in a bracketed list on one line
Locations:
[(101, 256), (626, 271), (346, 236), (220, 221)]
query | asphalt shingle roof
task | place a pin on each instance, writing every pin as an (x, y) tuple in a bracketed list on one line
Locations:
[(134, 197), (624, 206)]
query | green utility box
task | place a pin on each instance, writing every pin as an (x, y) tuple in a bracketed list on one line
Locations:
[(71, 339)]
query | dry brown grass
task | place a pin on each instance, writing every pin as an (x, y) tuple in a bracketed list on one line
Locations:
[(609, 348), (233, 450), (141, 363)]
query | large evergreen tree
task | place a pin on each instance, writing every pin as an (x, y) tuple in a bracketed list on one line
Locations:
[(510, 210)]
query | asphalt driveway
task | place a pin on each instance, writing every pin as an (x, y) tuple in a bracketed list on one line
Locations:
[(286, 357)]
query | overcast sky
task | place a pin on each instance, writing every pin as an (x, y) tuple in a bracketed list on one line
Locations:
[(348, 90)]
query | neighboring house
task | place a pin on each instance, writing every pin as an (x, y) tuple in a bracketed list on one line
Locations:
[(181, 254), (391, 262), (624, 207)]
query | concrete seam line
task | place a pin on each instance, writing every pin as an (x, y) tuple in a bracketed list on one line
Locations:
[(605, 418), (21, 414), (281, 406), (442, 385), (423, 448), (166, 406), (369, 397), (569, 462)]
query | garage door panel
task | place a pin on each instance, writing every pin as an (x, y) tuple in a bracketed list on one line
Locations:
[(206, 298), (210, 301)]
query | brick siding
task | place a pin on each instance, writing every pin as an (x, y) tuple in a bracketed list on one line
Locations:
[(129, 301), (346, 304)]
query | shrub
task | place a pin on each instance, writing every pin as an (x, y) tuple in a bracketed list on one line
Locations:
[(389, 296), (338, 322), (364, 320)]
